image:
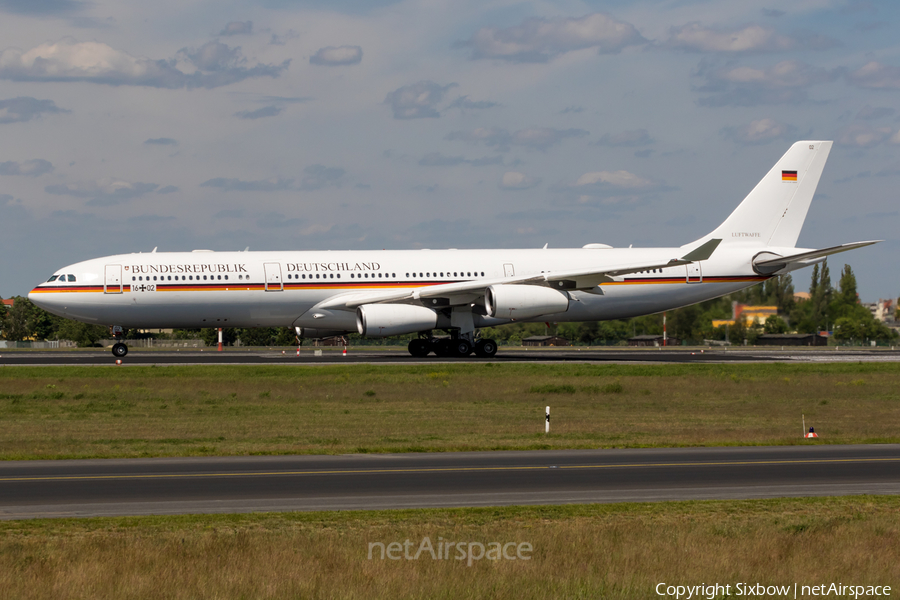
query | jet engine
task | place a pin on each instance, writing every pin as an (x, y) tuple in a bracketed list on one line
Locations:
[(524, 301), (382, 320)]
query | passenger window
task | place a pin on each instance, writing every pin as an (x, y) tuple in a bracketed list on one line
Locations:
[(204, 278), (339, 276), (133, 278), (226, 278)]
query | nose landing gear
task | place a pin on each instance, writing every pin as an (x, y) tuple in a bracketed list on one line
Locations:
[(119, 349)]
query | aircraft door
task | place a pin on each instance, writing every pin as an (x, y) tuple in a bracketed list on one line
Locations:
[(113, 283), (508, 270), (273, 277), (694, 273)]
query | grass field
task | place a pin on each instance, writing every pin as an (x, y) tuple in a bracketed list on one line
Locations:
[(583, 551), (79, 412)]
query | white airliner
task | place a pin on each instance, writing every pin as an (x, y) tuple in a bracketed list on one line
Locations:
[(394, 292)]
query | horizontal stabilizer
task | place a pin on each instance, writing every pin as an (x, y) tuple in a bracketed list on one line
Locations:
[(773, 265)]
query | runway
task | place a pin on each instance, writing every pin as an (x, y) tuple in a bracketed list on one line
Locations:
[(399, 355), (84, 488)]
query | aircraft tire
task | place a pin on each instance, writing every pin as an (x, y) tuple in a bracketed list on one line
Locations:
[(419, 348), (461, 348), (442, 348), (119, 350), (485, 348)]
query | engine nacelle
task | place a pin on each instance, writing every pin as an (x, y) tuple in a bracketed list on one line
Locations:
[(523, 301), (382, 320)]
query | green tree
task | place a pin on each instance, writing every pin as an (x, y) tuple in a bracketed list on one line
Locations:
[(775, 324), (210, 336), (737, 332), (18, 320), (83, 334)]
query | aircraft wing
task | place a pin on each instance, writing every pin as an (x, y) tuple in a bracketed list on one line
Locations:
[(565, 280), (773, 265)]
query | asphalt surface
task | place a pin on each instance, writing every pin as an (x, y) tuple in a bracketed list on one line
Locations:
[(70, 488), (362, 354)]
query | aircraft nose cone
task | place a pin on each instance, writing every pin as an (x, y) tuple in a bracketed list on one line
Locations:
[(41, 300)]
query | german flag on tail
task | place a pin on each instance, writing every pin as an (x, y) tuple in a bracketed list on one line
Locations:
[(789, 175)]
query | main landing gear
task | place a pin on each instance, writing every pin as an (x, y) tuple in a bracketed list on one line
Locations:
[(119, 349), (449, 347)]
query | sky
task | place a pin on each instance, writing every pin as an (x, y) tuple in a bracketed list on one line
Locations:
[(348, 124)]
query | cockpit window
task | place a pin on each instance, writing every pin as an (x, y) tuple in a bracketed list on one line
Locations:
[(70, 277), (52, 278)]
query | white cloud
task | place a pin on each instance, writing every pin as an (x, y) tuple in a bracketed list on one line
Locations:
[(513, 180), (620, 179), (417, 101), (871, 113), (787, 81), (103, 192), (212, 65), (859, 135), (259, 113), (238, 185), (337, 56), (760, 131), (31, 168), (875, 75), (24, 108), (538, 40), (626, 139), (436, 159), (237, 28), (753, 38), (316, 177), (538, 138)]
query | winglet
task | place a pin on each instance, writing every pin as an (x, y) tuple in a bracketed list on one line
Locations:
[(703, 252)]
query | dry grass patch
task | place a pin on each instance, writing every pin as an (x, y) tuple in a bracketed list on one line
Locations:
[(58, 412), (586, 551)]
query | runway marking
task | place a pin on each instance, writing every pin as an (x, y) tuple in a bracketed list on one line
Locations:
[(441, 469)]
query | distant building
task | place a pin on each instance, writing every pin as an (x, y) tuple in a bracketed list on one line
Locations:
[(801, 296), (884, 310), (545, 340), (9, 302), (752, 313), (747, 314), (653, 340), (792, 339)]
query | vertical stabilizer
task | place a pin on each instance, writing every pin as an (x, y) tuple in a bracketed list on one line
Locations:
[(773, 213)]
